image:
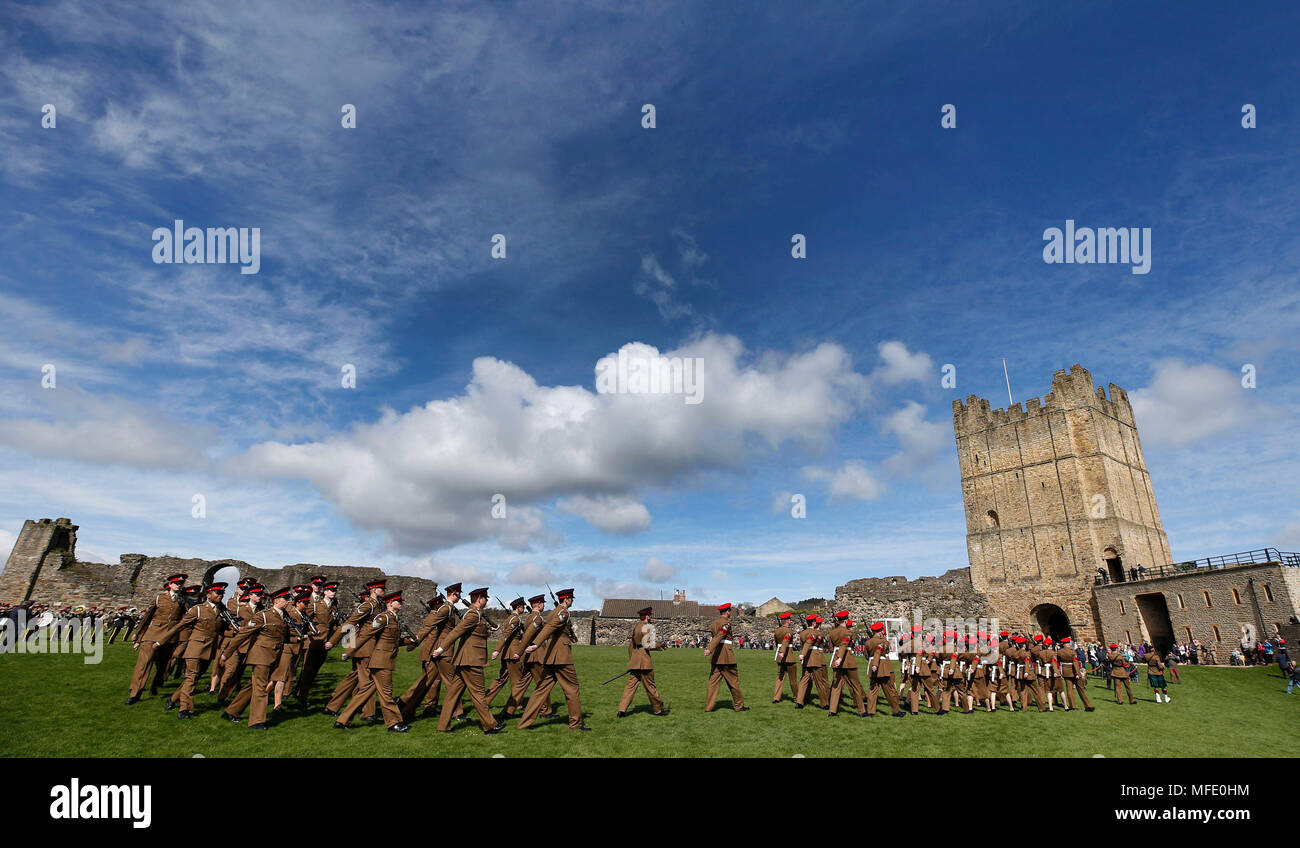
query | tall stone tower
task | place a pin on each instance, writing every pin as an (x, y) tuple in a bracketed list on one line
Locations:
[(43, 547), (1053, 492)]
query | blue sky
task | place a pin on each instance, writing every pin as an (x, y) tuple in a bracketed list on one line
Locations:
[(476, 376)]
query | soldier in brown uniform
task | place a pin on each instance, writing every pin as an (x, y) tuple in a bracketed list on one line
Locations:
[(787, 659), (1005, 672), (844, 665), (510, 650), (439, 673), (161, 617), (557, 665), (297, 618), (916, 671), (812, 655), (640, 667), (227, 676), (1073, 676), (1027, 675), (357, 651), (1119, 673), (880, 668), (468, 659), (203, 625), (191, 597), (383, 634), (323, 612), (1045, 668), (722, 663), (265, 632), (534, 621)]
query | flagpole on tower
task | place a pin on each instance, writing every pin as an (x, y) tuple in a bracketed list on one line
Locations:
[(1010, 402)]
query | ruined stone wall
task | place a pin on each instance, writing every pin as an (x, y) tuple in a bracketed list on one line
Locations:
[(1189, 614), (1047, 489)]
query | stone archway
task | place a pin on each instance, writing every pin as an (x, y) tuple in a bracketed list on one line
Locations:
[(1114, 564), (1052, 621)]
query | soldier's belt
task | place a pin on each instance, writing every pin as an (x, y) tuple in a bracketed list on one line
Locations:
[(726, 641)]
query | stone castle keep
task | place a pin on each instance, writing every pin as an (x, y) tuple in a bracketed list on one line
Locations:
[(1060, 512), (1053, 492)]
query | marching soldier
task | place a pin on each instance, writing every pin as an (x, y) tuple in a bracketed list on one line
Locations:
[(265, 632), (233, 661), (203, 623), (557, 665), (1119, 673), (1026, 669), (1004, 672), (813, 657), (978, 689), (1044, 667), (233, 606), (324, 615), (881, 669), (383, 633), (844, 665), (358, 652), (534, 621), (916, 671), (950, 678), (439, 674), (787, 666), (509, 650), (190, 598), (1073, 675), (161, 617), (299, 633), (722, 663), (640, 667), (468, 660)]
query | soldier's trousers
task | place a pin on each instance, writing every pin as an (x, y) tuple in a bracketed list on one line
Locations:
[(1032, 689), (786, 671), (232, 674), (952, 691), (716, 677), (184, 697), (437, 673), (148, 658), (568, 680), (891, 694), (313, 659), (518, 683), (846, 676), (255, 694), (379, 681), (356, 679), (1128, 690), (915, 683), (533, 672), (468, 678), (641, 677), (813, 677), (1076, 684)]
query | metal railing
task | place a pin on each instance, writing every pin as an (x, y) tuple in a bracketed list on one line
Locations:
[(1214, 563)]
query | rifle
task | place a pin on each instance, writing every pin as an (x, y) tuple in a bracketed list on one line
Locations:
[(615, 677)]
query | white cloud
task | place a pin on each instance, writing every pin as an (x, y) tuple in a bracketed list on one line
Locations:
[(851, 480), (1186, 403), (657, 571), (901, 365), (782, 503), (622, 515), (426, 477), (530, 574), (105, 430), (445, 573), (921, 441)]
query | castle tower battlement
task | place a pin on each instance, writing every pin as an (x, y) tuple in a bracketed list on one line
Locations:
[(1053, 491)]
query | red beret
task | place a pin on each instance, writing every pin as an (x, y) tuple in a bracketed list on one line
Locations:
[(723, 607), (1038, 637), (841, 615), (1114, 645), (1004, 634), (820, 619), (877, 626), (783, 616), (1065, 638), (812, 616)]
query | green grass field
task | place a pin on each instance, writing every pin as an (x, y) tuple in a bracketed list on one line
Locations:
[(57, 706)]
